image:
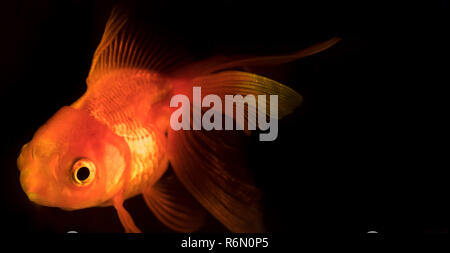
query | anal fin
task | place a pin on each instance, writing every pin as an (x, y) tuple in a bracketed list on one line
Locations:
[(173, 205), (208, 164)]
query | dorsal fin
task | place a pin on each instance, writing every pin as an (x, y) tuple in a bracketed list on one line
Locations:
[(127, 44)]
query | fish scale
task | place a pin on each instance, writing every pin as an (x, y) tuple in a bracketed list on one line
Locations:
[(146, 145)]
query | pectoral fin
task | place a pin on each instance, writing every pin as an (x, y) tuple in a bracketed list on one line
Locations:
[(125, 217)]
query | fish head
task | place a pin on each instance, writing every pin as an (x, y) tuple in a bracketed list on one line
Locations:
[(73, 161)]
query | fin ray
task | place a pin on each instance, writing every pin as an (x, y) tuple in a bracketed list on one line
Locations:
[(244, 83), (203, 162), (174, 206), (125, 44)]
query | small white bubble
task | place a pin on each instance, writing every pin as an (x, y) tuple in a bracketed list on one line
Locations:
[(372, 232), (72, 232)]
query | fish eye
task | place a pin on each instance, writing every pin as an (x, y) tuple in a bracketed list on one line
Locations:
[(83, 172)]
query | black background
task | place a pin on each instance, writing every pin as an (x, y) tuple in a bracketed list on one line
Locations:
[(366, 151)]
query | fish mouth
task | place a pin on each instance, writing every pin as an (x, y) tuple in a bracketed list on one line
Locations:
[(33, 197), (37, 199), (30, 188)]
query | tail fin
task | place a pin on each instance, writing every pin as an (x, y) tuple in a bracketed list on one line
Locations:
[(243, 83), (206, 162), (219, 63)]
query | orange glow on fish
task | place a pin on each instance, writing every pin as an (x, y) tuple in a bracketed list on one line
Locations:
[(116, 142)]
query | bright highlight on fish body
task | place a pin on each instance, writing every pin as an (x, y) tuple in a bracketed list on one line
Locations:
[(115, 141)]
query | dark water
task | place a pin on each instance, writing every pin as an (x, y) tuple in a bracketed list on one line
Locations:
[(362, 153)]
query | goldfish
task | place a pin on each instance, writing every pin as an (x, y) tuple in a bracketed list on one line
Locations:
[(115, 142)]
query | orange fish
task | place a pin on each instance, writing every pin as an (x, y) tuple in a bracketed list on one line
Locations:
[(115, 142)]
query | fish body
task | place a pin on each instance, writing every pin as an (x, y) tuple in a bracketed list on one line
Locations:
[(141, 121), (116, 142)]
